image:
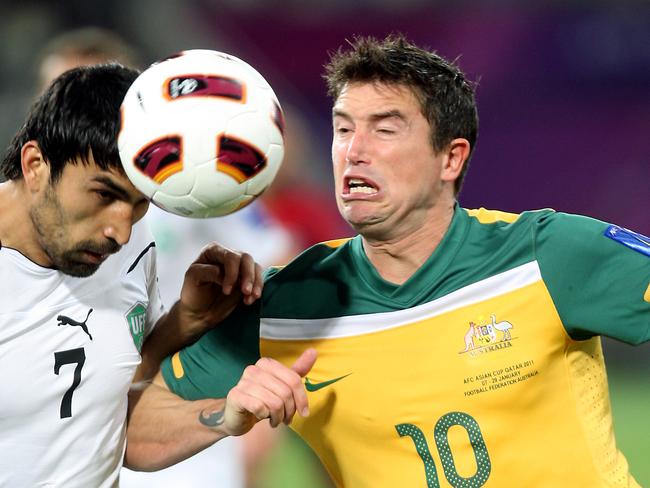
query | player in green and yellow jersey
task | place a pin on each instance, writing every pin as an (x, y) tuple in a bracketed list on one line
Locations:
[(455, 347)]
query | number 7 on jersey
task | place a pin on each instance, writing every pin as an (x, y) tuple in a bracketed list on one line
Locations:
[(71, 356)]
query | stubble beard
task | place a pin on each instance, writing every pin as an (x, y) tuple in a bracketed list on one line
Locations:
[(50, 223)]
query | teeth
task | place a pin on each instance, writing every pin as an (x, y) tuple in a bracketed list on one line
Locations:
[(362, 189), (357, 185)]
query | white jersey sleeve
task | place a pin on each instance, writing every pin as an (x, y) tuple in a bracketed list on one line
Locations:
[(156, 307)]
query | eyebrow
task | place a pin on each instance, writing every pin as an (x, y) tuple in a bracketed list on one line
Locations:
[(121, 192), (388, 114), (339, 113)]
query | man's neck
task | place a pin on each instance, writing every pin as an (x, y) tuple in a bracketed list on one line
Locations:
[(16, 229), (398, 258)]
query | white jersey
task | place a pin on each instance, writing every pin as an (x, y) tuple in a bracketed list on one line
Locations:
[(69, 348)]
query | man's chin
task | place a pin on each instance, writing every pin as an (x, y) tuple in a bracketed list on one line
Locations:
[(81, 263), (363, 222), (77, 269)]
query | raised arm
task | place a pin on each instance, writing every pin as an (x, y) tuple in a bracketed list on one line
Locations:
[(214, 284), (163, 429)]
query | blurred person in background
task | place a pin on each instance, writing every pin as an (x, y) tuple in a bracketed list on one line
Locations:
[(233, 462), (456, 347), (82, 47)]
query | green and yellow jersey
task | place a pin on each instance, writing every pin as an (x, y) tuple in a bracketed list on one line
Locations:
[(485, 368)]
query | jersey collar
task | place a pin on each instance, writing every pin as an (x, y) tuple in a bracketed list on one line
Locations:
[(427, 275)]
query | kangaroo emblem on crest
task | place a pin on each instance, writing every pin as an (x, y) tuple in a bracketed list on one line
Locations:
[(63, 320)]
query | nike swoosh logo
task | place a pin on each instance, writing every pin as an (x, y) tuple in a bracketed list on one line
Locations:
[(317, 386)]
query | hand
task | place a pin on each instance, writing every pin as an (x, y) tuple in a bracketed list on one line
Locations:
[(270, 390), (216, 282)]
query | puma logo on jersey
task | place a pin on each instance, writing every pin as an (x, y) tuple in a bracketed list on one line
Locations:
[(63, 320)]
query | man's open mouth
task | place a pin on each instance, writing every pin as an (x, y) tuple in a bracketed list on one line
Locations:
[(360, 186)]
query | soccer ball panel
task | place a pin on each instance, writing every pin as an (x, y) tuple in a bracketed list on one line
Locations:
[(261, 182), (214, 188)]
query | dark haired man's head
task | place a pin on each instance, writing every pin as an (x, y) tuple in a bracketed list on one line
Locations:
[(65, 166)]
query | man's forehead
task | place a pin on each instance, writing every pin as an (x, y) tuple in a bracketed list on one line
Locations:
[(375, 100), (383, 88), (88, 168), (113, 176)]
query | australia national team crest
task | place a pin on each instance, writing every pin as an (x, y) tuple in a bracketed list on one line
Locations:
[(136, 317), (487, 336)]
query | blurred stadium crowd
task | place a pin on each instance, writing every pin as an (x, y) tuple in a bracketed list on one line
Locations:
[(563, 94)]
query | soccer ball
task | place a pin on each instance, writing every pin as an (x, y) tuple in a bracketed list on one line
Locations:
[(201, 133)]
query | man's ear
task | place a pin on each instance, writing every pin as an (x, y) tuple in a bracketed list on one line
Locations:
[(457, 154), (36, 170)]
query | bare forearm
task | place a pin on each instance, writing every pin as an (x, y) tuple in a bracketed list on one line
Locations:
[(164, 429)]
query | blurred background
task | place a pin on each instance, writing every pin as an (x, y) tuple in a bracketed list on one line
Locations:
[(564, 106)]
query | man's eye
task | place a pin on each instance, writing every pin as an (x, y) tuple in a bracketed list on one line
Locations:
[(106, 196)]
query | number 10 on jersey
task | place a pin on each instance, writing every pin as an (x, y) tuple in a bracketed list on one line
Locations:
[(441, 430)]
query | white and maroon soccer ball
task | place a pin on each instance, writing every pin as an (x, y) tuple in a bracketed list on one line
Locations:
[(202, 133)]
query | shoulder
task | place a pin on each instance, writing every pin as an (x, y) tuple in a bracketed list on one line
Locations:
[(494, 228), (546, 223), (499, 218), (545, 229), (310, 283), (579, 242), (571, 233), (311, 261)]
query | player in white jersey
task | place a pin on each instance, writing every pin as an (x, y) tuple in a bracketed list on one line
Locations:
[(69, 347), (178, 241), (78, 289)]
